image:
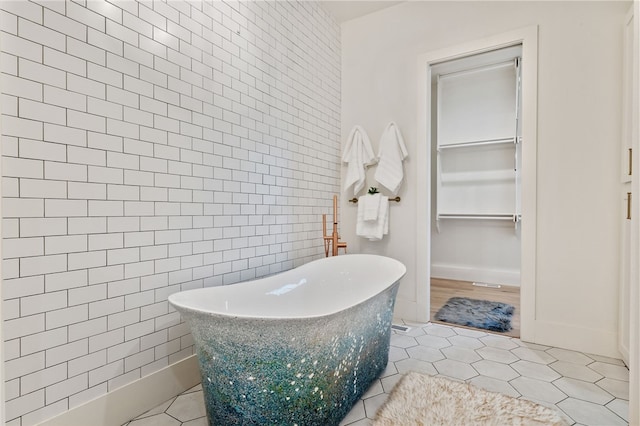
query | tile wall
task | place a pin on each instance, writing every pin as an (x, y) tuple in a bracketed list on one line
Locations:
[(150, 147)]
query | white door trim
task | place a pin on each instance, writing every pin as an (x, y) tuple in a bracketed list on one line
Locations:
[(2, 393), (634, 280), (528, 37)]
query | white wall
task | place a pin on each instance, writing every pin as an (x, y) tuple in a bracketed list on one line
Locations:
[(485, 251), (150, 147), (578, 130)]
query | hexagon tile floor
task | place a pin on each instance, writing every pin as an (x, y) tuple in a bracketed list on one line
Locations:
[(587, 389)]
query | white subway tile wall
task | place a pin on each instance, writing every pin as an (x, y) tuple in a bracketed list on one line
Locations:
[(147, 148)]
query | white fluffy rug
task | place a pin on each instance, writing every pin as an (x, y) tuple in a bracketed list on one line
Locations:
[(418, 399)]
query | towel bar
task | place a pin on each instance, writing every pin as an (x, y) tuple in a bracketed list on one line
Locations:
[(396, 199)]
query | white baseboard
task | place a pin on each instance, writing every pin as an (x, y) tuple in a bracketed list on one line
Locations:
[(123, 404), (473, 274)]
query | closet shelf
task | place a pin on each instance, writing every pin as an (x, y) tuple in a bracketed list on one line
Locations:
[(512, 217), (513, 140)]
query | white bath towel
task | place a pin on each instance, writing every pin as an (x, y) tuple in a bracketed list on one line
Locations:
[(371, 206), (391, 153), (357, 154), (374, 230)]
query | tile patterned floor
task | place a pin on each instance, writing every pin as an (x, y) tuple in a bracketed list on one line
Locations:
[(586, 389)]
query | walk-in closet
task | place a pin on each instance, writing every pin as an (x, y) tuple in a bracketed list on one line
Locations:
[(476, 182)]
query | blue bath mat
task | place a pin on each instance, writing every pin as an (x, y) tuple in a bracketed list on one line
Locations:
[(494, 316)]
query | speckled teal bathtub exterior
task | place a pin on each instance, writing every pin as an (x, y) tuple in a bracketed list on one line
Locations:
[(302, 371)]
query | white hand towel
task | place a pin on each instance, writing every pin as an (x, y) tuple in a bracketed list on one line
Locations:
[(392, 152), (371, 206), (357, 154), (373, 230)]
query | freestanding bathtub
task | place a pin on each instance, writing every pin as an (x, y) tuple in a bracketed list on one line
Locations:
[(297, 348)]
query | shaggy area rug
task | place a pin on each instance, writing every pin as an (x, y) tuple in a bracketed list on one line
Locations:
[(424, 400), (494, 316)]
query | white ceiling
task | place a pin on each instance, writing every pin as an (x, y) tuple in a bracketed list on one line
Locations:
[(343, 10)]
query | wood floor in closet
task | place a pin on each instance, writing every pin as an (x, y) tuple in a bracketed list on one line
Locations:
[(442, 290)]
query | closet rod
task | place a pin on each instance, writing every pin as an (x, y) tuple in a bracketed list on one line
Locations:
[(478, 143), (512, 217), (477, 69)]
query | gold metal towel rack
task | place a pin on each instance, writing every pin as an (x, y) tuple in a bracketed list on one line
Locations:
[(396, 199)]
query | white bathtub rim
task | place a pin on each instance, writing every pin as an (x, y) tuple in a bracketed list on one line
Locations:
[(291, 305), (275, 318)]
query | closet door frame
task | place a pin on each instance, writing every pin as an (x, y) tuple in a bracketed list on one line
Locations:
[(634, 290), (528, 38), (2, 366)]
